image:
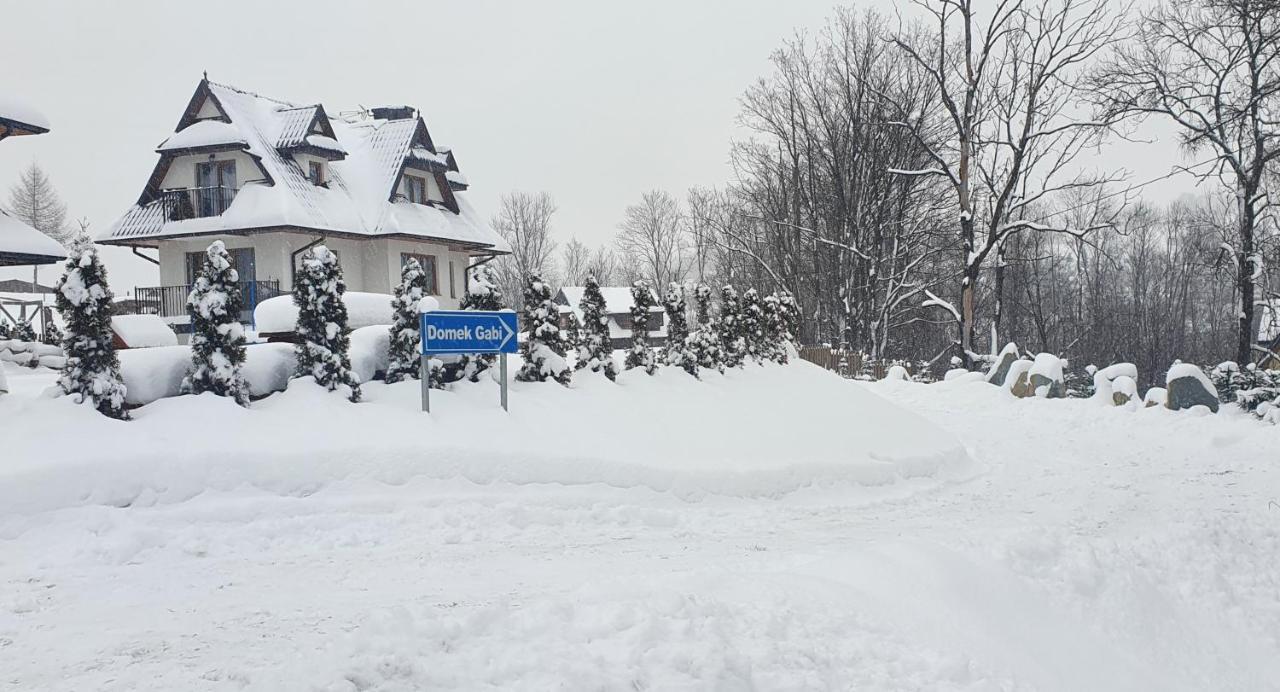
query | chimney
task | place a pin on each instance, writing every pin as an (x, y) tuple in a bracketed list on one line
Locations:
[(392, 112)]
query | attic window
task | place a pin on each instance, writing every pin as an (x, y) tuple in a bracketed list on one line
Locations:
[(415, 189), (315, 171)]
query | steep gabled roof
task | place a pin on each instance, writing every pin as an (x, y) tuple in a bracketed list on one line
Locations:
[(17, 118), (367, 159), (21, 244)]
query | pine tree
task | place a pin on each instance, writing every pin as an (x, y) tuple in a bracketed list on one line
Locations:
[(544, 350), (572, 332), (23, 331), (595, 351), (754, 326), (704, 342), (322, 322), (52, 335), (217, 337), (678, 352), (84, 300), (733, 347), (34, 200), (405, 341), (6, 332), (640, 355), (778, 335), (483, 293)]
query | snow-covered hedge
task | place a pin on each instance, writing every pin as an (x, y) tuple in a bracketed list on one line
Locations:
[(31, 353), (151, 374)]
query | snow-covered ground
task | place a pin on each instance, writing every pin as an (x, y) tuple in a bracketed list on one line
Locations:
[(815, 536)]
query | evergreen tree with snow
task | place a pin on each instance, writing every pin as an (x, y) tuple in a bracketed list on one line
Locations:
[(572, 332), (217, 337), (678, 352), (754, 324), (640, 355), (704, 342), (92, 371), (23, 331), (52, 335), (6, 332), (322, 322), (405, 340), (483, 293), (595, 349), (775, 329), (733, 347), (543, 350)]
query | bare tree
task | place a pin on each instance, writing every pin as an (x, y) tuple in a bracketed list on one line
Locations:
[(604, 266), (34, 200), (651, 239), (1008, 85), (1210, 67), (575, 262), (524, 221)]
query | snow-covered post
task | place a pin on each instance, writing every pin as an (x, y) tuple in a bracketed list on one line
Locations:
[(217, 337), (404, 350), (322, 322), (640, 355), (84, 299), (596, 348), (543, 351)]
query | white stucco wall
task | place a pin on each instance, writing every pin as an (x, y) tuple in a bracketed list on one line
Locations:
[(182, 172)]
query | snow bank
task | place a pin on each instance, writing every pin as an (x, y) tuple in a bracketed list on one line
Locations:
[(279, 315), (763, 431), (369, 346), (151, 374), (143, 331)]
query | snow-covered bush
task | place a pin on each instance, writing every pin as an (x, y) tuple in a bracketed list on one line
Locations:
[(23, 331), (640, 355), (678, 352), (322, 322), (1249, 387), (754, 326), (733, 347), (704, 342), (482, 294), (52, 335), (778, 338), (595, 348), (217, 337), (6, 332), (405, 339), (84, 300), (543, 350)]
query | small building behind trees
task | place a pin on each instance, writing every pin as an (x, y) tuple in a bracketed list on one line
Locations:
[(618, 308)]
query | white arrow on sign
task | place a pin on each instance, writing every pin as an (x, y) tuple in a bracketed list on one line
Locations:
[(510, 333)]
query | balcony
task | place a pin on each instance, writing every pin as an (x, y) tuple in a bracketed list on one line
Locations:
[(195, 202), (171, 301)]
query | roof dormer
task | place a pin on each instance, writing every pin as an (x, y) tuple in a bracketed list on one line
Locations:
[(306, 130)]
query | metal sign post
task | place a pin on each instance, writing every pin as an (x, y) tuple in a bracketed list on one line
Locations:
[(467, 332)]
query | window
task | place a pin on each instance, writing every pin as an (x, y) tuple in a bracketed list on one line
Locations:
[(215, 187), (428, 263), (453, 292), (415, 189), (241, 258), (315, 171)]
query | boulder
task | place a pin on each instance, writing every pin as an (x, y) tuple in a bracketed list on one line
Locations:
[(1156, 396), (1045, 377), (1124, 390), (1000, 369), (1188, 386), (897, 373)]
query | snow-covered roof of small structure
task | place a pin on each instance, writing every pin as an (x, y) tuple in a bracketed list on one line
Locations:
[(617, 299), (18, 118), (279, 315), (143, 331), (204, 133), (367, 158), (21, 244)]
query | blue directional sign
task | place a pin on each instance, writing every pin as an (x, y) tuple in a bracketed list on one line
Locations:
[(469, 331)]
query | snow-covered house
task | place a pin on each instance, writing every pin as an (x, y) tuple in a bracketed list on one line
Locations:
[(21, 244), (271, 179), (617, 302)]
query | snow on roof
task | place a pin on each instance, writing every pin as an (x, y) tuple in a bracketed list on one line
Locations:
[(617, 299), (357, 198), (203, 133), (15, 111), (17, 238)]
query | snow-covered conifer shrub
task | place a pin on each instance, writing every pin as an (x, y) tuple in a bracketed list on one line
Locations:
[(543, 350), (640, 355), (704, 342), (6, 332), (217, 337), (733, 347), (754, 327), (595, 349), (679, 351), (483, 293), (23, 331), (324, 338), (52, 335), (405, 342), (92, 371), (777, 338)]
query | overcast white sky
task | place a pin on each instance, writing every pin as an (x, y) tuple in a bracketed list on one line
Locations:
[(591, 101)]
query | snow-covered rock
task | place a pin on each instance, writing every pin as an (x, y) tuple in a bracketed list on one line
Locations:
[(1189, 387)]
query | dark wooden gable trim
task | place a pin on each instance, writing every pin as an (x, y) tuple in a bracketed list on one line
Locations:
[(446, 192), (321, 119), (203, 93)]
